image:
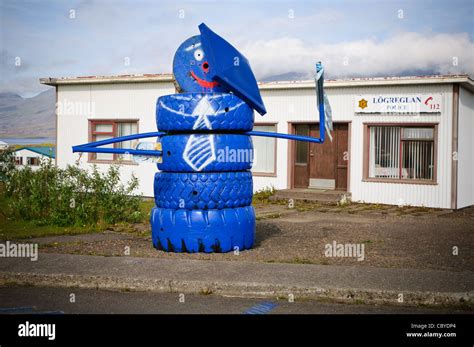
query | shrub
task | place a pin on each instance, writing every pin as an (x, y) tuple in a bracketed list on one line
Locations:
[(7, 164), (73, 196)]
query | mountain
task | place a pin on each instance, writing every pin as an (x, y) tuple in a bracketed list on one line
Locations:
[(28, 117)]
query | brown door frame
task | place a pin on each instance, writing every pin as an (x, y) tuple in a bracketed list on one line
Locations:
[(291, 151)]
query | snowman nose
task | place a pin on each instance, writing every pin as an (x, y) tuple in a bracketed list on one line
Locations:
[(205, 66)]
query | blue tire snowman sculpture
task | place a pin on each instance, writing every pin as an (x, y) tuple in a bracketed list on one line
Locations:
[(203, 191)]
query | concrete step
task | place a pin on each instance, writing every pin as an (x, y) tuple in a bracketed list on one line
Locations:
[(330, 197)]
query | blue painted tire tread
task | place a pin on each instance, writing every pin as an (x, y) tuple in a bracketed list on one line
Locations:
[(174, 147), (203, 230), (216, 190), (174, 112)]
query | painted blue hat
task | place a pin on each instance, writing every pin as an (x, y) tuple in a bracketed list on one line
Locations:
[(230, 68)]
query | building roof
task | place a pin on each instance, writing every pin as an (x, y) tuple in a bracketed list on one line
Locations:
[(465, 80), (55, 81), (48, 151)]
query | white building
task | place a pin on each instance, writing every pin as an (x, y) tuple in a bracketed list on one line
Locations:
[(33, 156), (3, 145), (406, 140)]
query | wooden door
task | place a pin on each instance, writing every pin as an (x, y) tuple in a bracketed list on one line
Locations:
[(322, 168), (328, 161), (342, 157), (301, 161)]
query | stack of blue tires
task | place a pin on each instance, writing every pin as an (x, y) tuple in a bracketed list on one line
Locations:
[(203, 192)]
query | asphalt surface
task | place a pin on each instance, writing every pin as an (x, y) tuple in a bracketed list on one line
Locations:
[(15, 299), (250, 279)]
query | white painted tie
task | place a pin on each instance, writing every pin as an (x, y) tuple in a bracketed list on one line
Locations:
[(200, 151)]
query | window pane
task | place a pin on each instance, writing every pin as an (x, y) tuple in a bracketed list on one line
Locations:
[(418, 160), (104, 128), (384, 151), (104, 156), (125, 129), (264, 150), (418, 133), (32, 161), (302, 147)]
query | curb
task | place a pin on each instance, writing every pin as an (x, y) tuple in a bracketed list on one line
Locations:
[(242, 289)]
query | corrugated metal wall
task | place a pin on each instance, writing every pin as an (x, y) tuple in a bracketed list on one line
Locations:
[(438, 195), (466, 149), (295, 105)]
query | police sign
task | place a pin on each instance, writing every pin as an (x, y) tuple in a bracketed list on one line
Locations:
[(421, 103)]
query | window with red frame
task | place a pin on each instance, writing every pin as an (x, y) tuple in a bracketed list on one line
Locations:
[(402, 153), (107, 129)]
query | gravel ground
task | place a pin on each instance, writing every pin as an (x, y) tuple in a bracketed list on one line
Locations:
[(392, 237)]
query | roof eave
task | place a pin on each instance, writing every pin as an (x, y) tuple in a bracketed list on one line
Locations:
[(31, 149), (465, 81), (51, 81)]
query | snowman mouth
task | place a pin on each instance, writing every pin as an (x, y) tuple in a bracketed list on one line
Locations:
[(204, 83)]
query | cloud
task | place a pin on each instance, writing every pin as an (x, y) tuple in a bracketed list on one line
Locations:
[(397, 55)]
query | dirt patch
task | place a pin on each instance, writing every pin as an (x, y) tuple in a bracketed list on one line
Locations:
[(391, 237)]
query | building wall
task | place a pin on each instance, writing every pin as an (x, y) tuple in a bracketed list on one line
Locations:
[(137, 101), (108, 101), (283, 105), (25, 154), (465, 149), (296, 105), (438, 195)]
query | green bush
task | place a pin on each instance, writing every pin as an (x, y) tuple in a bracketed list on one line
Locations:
[(72, 196), (7, 164)]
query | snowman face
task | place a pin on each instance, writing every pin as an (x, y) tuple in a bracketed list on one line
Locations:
[(191, 68)]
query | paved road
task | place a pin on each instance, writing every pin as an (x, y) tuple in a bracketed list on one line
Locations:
[(14, 299)]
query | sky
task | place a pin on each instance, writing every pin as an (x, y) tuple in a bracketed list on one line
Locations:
[(363, 38)]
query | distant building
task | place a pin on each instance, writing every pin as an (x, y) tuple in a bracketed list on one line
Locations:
[(396, 140), (3, 145), (34, 156)]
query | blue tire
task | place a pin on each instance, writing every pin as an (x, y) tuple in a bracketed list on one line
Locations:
[(203, 230), (206, 153), (184, 112), (216, 190)]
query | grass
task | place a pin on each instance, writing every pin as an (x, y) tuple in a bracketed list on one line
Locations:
[(298, 260), (12, 228), (145, 206), (206, 291), (269, 216), (263, 195)]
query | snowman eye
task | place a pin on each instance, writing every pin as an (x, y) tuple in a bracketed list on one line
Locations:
[(198, 54)]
